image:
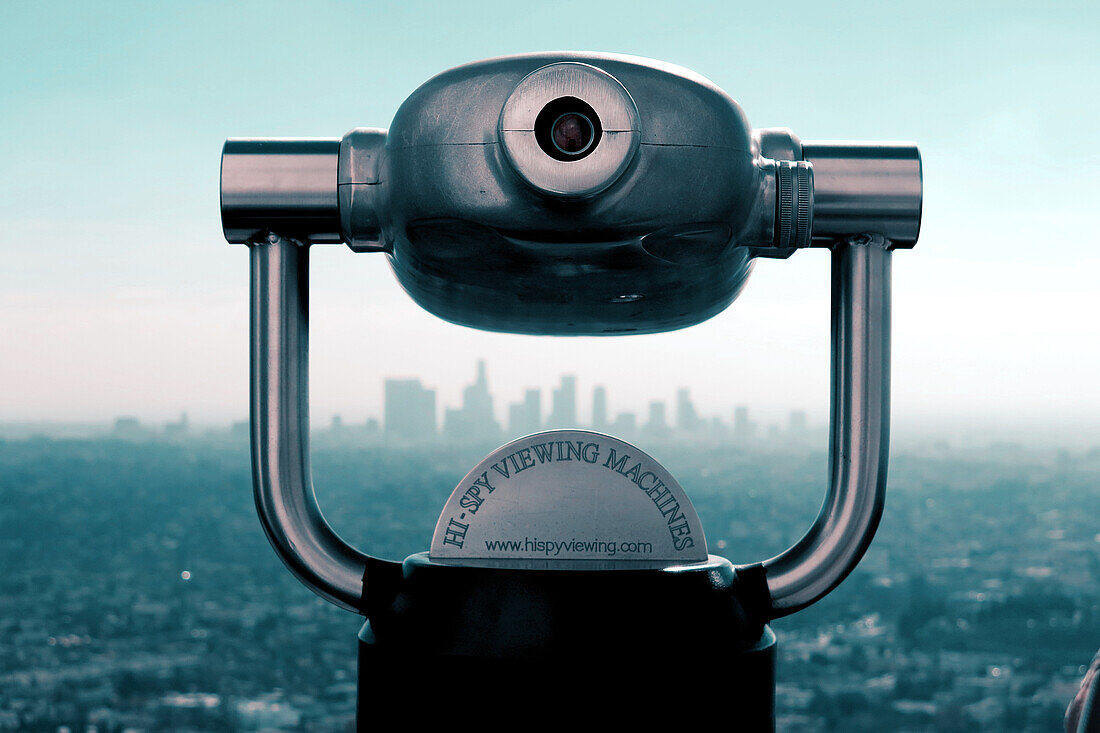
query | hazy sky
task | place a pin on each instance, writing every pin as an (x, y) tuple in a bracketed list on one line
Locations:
[(118, 294)]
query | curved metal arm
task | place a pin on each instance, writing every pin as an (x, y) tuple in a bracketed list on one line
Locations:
[(282, 478), (859, 434)]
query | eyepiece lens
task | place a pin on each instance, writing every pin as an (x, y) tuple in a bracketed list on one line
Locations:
[(572, 133), (568, 129)]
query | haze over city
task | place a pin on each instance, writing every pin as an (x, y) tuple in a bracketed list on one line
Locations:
[(119, 295)]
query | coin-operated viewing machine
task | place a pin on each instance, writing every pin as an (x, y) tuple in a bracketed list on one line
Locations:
[(570, 194)]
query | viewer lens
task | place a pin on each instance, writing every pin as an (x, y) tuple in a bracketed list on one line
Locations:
[(572, 133), (567, 129)]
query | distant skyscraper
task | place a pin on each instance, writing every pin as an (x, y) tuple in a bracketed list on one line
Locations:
[(743, 428), (563, 404), (477, 404), (409, 413), (687, 419), (599, 408), (532, 401), (525, 417), (657, 426), (474, 421), (625, 425), (516, 420), (657, 414), (454, 426)]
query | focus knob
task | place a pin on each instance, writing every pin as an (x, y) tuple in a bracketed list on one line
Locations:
[(794, 215)]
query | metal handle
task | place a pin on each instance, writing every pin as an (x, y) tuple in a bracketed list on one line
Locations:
[(282, 478), (810, 569), (859, 432)]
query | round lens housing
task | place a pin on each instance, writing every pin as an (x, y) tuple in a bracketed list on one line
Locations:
[(566, 112), (568, 129)]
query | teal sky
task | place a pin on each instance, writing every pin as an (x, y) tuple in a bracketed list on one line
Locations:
[(118, 294)]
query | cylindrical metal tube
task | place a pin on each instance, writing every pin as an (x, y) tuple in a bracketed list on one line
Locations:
[(283, 185), (866, 188), (860, 437), (282, 477)]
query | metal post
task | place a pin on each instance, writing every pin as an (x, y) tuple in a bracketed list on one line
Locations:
[(860, 432), (282, 477)]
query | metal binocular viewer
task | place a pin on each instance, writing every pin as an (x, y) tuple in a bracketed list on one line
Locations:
[(570, 194)]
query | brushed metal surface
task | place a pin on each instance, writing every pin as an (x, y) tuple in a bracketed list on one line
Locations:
[(866, 188), (859, 440), (281, 473), (286, 185), (571, 499), (616, 115), (667, 244), (359, 182), (476, 244)]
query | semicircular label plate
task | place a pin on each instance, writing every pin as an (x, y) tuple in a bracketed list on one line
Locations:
[(569, 499)]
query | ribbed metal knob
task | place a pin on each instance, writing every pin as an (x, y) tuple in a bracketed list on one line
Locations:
[(794, 215)]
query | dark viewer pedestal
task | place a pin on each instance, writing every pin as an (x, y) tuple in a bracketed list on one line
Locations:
[(489, 648)]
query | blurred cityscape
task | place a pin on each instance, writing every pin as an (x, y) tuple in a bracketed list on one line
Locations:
[(410, 418), (138, 592)]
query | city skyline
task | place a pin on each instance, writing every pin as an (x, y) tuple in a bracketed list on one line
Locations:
[(411, 415), (476, 420), (534, 409)]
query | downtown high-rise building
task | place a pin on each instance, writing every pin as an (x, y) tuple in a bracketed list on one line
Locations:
[(625, 425), (409, 411), (474, 421), (525, 417), (599, 409), (687, 419), (743, 429), (563, 404), (657, 428)]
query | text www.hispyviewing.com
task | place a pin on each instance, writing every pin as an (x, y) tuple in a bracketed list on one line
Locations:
[(555, 548)]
